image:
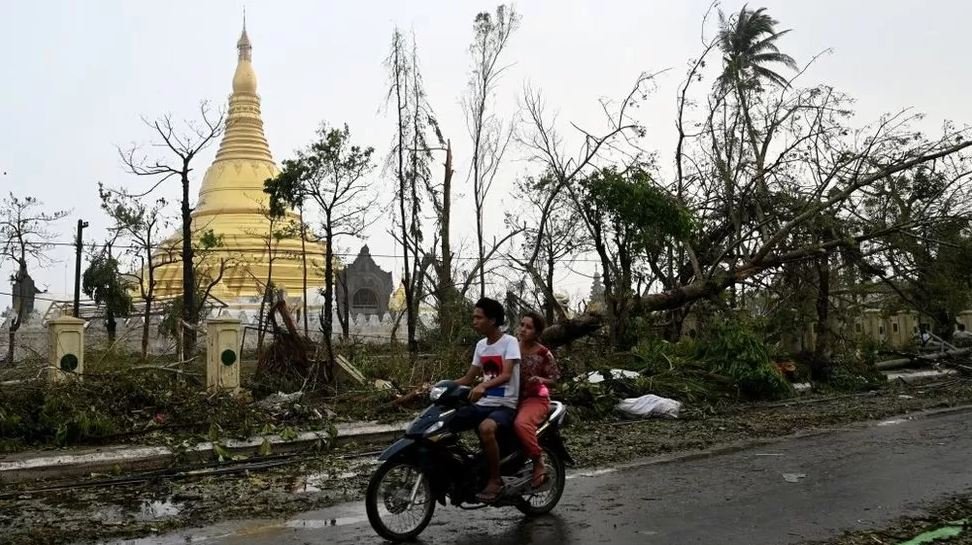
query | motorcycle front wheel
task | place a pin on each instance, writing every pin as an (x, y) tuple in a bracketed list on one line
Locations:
[(544, 499), (399, 501)]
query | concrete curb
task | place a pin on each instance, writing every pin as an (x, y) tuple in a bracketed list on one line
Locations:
[(123, 458)]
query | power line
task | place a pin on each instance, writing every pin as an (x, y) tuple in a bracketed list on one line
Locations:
[(320, 253)]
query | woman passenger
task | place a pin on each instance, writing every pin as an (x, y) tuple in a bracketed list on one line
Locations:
[(538, 372)]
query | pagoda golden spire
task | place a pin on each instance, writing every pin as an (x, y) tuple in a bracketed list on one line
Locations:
[(233, 205), (243, 144)]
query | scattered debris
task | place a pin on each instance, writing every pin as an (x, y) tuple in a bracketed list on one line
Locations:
[(954, 529), (280, 402), (918, 359), (596, 377), (345, 371), (802, 387), (649, 406)]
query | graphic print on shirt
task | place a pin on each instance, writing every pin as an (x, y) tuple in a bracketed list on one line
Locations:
[(492, 368)]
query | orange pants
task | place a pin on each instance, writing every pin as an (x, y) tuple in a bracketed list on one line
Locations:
[(532, 413)]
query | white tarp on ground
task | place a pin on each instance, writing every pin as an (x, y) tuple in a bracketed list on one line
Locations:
[(650, 406)]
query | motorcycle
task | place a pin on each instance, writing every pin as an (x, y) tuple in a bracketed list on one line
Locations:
[(430, 465)]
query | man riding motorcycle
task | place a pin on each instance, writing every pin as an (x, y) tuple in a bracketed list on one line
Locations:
[(497, 359), (430, 464)]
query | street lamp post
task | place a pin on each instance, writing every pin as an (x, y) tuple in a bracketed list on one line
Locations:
[(77, 269)]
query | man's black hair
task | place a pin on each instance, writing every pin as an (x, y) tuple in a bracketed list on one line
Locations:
[(493, 310), (961, 326)]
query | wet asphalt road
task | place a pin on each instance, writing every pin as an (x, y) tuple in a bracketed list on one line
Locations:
[(791, 491)]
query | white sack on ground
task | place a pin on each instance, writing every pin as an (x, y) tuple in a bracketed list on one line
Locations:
[(650, 406)]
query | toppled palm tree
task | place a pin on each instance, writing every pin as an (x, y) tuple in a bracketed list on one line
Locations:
[(748, 44)]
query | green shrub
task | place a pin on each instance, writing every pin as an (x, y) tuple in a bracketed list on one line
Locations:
[(733, 350), (121, 404)]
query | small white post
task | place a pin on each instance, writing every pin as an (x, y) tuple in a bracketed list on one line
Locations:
[(66, 353), (223, 354)]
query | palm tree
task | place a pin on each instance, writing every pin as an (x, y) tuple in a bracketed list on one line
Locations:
[(748, 44)]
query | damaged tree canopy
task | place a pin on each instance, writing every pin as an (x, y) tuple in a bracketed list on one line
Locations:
[(766, 173)]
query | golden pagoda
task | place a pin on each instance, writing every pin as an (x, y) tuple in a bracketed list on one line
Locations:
[(233, 206)]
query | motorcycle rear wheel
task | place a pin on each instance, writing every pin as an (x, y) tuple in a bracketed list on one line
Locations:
[(399, 490), (543, 502)]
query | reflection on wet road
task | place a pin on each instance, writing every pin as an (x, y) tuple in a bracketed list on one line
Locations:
[(850, 480)]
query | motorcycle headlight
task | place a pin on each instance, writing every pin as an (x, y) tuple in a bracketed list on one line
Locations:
[(436, 392), (434, 428)]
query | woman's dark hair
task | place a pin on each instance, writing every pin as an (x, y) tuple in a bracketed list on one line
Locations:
[(539, 324), (493, 310)]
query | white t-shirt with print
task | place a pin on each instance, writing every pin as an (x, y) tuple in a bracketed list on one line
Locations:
[(489, 357)]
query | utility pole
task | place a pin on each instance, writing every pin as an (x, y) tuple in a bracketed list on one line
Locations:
[(77, 268)]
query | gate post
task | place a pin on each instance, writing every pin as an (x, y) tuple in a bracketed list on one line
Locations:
[(222, 354)]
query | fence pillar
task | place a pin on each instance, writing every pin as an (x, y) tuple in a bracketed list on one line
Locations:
[(223, 354), (66, 336)]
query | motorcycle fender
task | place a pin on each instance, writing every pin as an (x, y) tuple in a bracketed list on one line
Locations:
[(397, 448), (556, 443)]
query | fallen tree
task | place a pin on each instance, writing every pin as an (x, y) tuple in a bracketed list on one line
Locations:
[(766, 174)]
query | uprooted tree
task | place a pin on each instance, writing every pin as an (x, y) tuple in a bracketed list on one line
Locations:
[(766, 174)]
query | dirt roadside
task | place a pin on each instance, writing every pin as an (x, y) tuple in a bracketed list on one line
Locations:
[(83, 514)]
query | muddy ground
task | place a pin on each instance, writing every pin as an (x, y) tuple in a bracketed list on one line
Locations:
[(82, 514)]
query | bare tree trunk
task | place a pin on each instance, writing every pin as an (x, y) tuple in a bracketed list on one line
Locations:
[(480, 246), (149, 296), (548, 309), (268, 290), (145, 328), (822, 344), (12, 342), (327, 324), (397, 63), (447, 288), (111, 325), (188, 275), (303, 257), (344, 310)]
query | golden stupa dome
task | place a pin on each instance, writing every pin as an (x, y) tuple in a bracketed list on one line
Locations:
[(233, 205)]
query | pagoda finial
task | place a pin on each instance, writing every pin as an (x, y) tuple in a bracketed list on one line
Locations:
[(243, 45)]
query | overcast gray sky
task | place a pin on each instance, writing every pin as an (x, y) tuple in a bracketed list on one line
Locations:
[(77, 76)]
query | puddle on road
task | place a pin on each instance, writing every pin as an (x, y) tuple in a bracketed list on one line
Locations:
[(316, 524)]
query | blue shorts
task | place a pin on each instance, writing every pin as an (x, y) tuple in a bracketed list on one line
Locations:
[(468, 418)]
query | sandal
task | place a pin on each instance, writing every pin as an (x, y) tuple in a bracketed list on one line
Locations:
[(486, 497)]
